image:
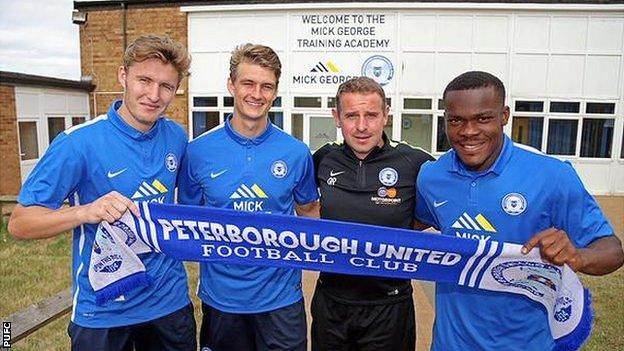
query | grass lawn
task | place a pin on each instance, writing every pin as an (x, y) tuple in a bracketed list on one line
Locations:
[(31, 271)]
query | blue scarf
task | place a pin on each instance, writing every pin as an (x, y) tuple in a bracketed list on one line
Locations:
[(206, 234)]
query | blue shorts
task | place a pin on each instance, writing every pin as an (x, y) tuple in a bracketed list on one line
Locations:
[(283, 329), (173, 332)]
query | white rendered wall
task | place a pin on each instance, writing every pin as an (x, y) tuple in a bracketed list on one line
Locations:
[(544, 54)]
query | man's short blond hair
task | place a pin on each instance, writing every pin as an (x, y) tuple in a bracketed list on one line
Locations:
[(162, 48), (260, 55), (361, 85)]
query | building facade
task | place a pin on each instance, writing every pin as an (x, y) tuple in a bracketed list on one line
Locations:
[(562, 64), (34, 110)]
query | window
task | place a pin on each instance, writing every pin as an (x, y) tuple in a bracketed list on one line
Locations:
[(306, 101), (565, 107), (297, 125), (559, 121), (228, 101), (206, 112), (56, 125), (331, 102), (597, 130), (442, 143), (277, 102), (277, 118), (441, 104), (417, 104), (388, 127), (209, 111), (529, 106), (77, 120), (562, 136), (600, 108), (416, 130), (597, 137), (418, 119), (528, 131), (204, 121), (29, 146), (622, 149), (205, 101), (322, 131)]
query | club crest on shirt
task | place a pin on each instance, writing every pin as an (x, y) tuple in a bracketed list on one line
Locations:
[(514, 204), (171, 162), (388, 176), (279, 169)]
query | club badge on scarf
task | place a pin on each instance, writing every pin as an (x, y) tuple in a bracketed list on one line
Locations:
[(115, 267), (205, 234)]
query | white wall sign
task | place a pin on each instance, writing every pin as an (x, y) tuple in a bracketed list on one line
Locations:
[(329, 48), (343, 31)]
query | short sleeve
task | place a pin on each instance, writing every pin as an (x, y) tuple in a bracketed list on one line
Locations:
[(576, 211), (189, 189), (422, 212), (306, 190), (56, 176)]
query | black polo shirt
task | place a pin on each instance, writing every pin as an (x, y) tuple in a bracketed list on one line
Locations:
[(379, 190)]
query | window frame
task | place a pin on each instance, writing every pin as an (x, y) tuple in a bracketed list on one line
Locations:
[(578, 116), (222, 109)]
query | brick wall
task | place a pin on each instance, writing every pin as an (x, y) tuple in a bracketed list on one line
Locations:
[(10, 176), (101, 50)]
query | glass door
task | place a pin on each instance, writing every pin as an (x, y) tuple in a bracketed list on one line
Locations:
[(319, 129)]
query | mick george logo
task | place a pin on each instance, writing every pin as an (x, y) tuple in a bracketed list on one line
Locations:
[(325, 67), (322, 73), (152, 192), (249, 198), (477, 227)]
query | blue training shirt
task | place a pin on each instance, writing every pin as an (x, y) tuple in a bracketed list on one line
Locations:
[(90, 160), (523, 193), (269, 173)]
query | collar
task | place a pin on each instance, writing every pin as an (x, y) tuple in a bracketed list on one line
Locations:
[(243, 140), (374, 152), (497, 167), (127, 129)]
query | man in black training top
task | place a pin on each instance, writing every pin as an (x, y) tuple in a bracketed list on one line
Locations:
[(367, 179)]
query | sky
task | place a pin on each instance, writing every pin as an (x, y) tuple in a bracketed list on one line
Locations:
[(38, 37)]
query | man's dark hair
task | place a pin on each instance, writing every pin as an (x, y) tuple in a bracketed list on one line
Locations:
[(475, 80)]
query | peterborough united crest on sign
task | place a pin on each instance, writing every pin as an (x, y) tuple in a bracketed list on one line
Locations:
[(379, 68)]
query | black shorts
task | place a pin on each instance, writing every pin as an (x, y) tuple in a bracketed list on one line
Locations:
[(337, 326), (283, 329), (173, 332)]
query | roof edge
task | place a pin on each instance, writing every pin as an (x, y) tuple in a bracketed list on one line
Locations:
[(14, 78), (95, 5)]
